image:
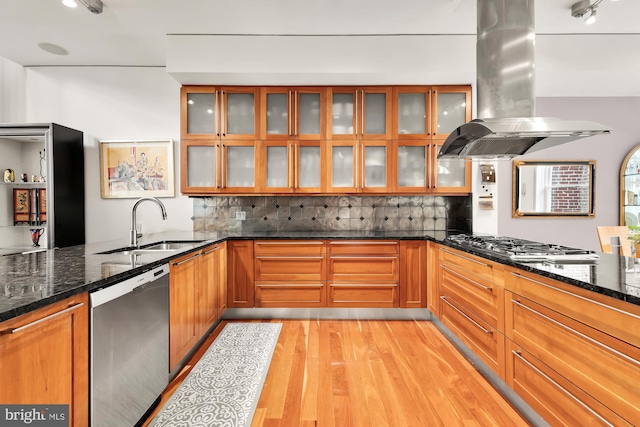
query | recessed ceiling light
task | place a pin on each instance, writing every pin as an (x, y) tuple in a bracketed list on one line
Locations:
[(70, 3), (53, 48)]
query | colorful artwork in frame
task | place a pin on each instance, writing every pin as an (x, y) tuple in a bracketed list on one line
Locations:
[(133, 169)]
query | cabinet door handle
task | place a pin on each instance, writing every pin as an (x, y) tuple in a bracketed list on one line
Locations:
[(290, 116), (187, 259), (211, 250), (35, 322), (559, 387), (296, 160), (479, 285), (635, 316), (467, 258), (578, 333), (217, 172), (478, 325), (290, 166), (362, 285), (362, 113), (295, 107), (216, 114), (355, 114), (223, 113)]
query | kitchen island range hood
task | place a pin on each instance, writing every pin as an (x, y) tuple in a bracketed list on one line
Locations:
[(505, 86)]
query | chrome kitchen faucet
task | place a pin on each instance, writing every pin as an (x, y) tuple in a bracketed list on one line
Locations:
[(133, 241)]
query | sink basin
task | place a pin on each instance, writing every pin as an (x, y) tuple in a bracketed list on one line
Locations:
[(164, 246)]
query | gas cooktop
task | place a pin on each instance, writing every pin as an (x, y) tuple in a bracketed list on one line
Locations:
[(524, 250)]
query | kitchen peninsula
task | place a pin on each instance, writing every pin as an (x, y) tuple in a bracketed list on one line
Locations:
[(493, 304)]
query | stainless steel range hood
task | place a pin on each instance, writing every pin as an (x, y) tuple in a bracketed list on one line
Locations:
[(505, 89)]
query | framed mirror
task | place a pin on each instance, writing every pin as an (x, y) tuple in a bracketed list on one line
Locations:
[(561, 188), (630, 188)]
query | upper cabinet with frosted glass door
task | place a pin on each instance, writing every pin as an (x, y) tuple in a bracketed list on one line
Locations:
[(219, 112), (451, 107), (412, 112), (292, 158), (355, 113)]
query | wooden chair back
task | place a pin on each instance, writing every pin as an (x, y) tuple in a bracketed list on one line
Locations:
[(605, 234)]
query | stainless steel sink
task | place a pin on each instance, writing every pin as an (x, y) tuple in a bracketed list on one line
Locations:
[(164, 246)]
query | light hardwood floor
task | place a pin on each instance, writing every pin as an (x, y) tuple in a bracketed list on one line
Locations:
[(338, 373)]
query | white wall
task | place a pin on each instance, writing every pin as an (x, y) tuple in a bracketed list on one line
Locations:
[(622, 114), (112, 103), (12, 87)]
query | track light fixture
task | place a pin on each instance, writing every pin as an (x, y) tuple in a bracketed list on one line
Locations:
[(584, 9), (94, 6)]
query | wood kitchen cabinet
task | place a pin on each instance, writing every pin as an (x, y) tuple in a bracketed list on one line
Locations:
[(363, 273), (355, 113), (359, 166), (413, 274), (292, 166), (571, 354), (219, 113), (450, 108), (293, 113), (208, 306), (184, 330), (471, 303), (290, 273), (240, 274), (44, 358)]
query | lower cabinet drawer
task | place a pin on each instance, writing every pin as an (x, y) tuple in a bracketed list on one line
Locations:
[(346, 268), (552, 396), (604, 367), (290, 295), (486, 342), (290, 268), (363, 295)]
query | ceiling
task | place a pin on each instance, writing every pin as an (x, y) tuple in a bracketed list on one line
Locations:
[(134, 33)]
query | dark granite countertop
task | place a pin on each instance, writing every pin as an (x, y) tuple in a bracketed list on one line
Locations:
[(31, 281)]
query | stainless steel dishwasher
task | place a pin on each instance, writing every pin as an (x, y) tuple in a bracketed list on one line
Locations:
[(129, 348)]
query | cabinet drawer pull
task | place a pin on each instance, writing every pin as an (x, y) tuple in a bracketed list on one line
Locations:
[(211, 250), (291, 285), (373, 257), (478, 325), (35, 322), (290, 257), (361, 242), (187, 259), (635, 316), (467, 258), (558, 386), (289, 243), (479, 285), (363, 285), (578, 333)]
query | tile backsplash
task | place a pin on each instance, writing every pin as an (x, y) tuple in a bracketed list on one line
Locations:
[(300, 213)]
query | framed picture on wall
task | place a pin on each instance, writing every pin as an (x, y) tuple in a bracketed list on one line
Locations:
[(133, 169)]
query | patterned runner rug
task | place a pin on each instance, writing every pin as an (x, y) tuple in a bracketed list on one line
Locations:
[(224, 387)]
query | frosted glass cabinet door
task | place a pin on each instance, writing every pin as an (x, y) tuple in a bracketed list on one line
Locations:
[(451, 173), (412, 166), (309, 114), (412, 113), (277, 167), (201, 166), (240, 164), (342, 166), (342, 113), (201, 108), (240, 114), (309, 167), (452, 110), (375, 167), (277, 114), (375, 121)]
